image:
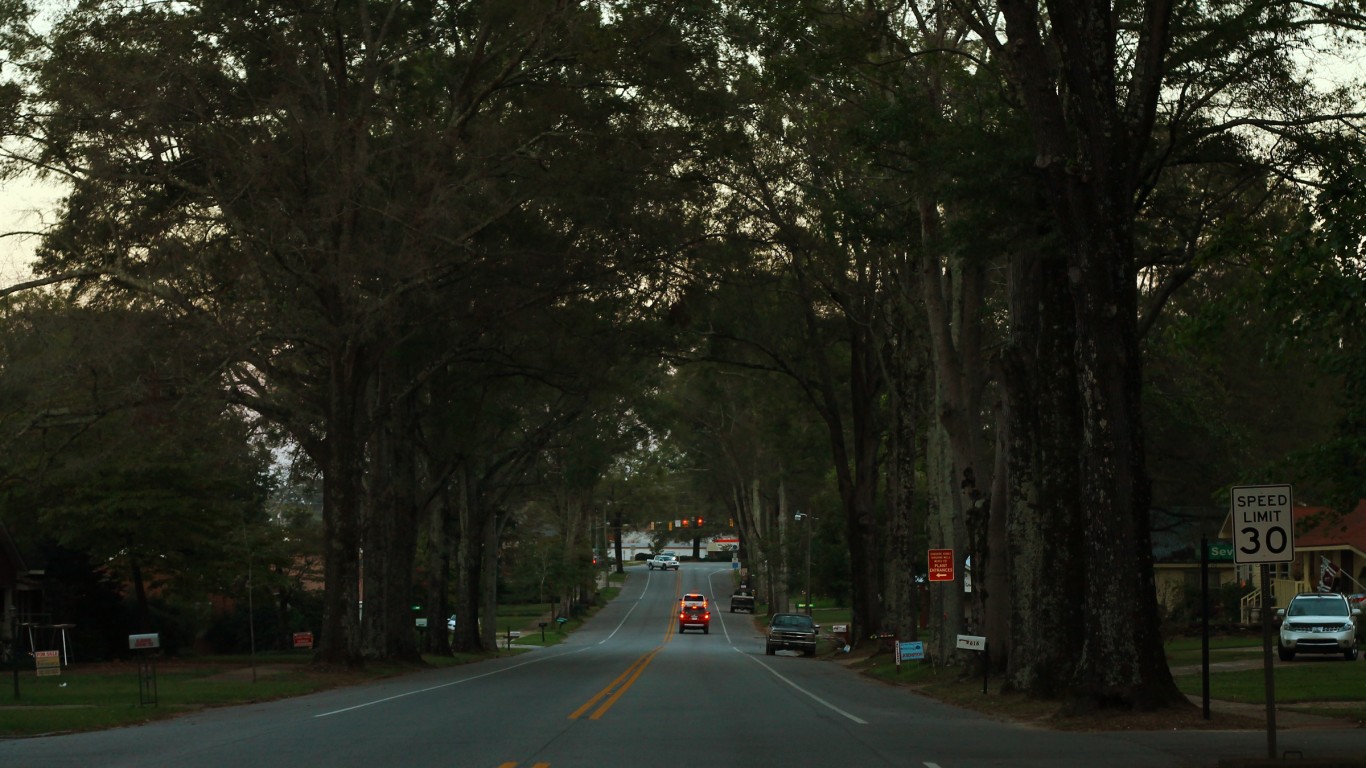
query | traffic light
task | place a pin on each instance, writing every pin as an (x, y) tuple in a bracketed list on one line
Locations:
[(699, 522)]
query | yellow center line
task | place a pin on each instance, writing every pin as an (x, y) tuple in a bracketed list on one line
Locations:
[(625, 680), (640, 662), (606, 705)]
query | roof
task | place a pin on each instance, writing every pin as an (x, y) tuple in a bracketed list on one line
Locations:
[(1325, 528)]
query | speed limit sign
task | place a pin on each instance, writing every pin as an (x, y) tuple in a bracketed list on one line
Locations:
[(1263, 524)]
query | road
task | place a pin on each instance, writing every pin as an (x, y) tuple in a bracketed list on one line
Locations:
[(628, 690)]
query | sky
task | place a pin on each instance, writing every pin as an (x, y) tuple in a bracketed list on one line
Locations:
[(25, 205)]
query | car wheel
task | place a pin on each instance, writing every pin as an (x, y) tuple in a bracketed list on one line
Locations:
[(707, 631), (1350, 655), (768, 649), (1285, 653), (809, 652)]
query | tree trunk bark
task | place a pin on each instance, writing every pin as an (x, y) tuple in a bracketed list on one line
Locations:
[(342, 469), (437, 638), (391, 534), (1039, 405), (907, 382), (469, 568)]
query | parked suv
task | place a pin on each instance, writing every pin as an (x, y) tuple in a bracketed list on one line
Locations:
[(1318, 623), (694, 613), (791, 631)]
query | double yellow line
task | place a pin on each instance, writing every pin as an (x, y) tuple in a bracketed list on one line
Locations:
[(625, 680)]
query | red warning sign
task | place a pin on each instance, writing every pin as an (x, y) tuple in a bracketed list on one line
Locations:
[(941, 565)]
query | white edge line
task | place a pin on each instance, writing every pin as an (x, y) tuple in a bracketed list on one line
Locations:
[(621, 623), (813, 696), (446, 685), (724, 629)]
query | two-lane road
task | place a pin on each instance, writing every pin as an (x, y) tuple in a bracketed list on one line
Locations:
[(627, 689)]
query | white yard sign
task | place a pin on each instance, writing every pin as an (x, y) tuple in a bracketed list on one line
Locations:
[(1263, 524)]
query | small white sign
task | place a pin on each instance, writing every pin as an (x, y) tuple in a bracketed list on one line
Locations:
[(972, 643), (137, 642)]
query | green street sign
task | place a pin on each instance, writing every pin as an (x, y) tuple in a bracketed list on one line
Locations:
[(1220, 551)]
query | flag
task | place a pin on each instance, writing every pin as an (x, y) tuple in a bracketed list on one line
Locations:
[(1328, 576)]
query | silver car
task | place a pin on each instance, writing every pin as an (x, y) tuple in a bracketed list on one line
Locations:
[(1318, 623)]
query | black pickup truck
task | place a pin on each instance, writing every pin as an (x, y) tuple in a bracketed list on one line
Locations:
[(742, 600)]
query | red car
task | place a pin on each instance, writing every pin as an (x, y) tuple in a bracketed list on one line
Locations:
[(694, 613)]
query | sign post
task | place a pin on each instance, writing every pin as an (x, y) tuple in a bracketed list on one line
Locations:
[(145, 647), (1263, 521), (977, 643)]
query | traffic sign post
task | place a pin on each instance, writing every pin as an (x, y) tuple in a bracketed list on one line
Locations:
[(1263, 521)]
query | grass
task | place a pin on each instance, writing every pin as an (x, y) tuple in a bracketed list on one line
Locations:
[(1186, 651), (1314, 682), (1325, 687), (97, 696), (106, 695)]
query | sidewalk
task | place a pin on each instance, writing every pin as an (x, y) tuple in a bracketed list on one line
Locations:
[(1285, 718)]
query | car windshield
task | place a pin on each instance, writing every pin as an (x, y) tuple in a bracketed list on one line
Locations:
[(694, 599), (1318, 606), (792, 622)]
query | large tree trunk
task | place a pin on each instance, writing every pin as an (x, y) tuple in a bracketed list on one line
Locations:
[(469, 568), (901, 595), (944, 531), (953, 294), (342, 469), (439, 546), (1122, 660), (488, 580), (1090, 136), (391, 535), (1043, 553)]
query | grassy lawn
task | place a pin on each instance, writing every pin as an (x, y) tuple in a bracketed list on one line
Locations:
[(94, 696), (86, 697)]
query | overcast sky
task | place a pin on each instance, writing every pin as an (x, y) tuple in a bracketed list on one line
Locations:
[(25, 206)]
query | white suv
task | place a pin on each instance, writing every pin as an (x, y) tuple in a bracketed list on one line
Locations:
[(662, 562), (1318, 623)]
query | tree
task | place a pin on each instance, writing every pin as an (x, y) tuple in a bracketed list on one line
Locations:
[(314, 182), (124, 450)]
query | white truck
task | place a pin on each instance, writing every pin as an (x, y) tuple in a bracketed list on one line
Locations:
[(662, 562)]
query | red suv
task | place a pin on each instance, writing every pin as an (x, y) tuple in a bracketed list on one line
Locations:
[(694, 613)]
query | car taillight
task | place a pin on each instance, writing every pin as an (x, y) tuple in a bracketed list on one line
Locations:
[(707, 615)]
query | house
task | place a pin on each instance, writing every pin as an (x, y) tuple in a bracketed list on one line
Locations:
[(21, 596), (1176, 536), (1330, 555)]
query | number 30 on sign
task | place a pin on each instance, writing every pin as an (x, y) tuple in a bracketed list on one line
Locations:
[(1263, 522)]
